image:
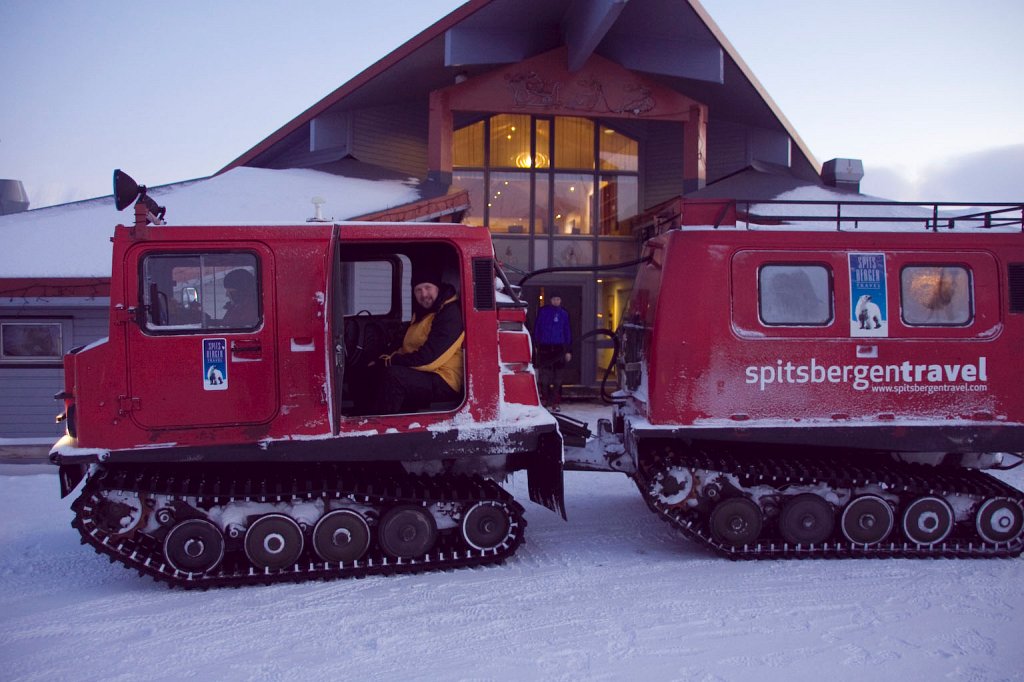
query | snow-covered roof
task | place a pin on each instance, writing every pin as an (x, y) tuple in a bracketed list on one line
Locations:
[(73, 240)]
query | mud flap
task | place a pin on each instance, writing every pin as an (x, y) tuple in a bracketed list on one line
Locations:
[(544, 474), (70, 476)]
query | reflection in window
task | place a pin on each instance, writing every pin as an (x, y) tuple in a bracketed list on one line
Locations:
[(539, 176), (509, 203), (619, 198), (510, 141), (574, 142), (468, 146), (795, 294), (32, 340), (472, 182), (574, 196), (618, 152), (201, 291), (936, 295)]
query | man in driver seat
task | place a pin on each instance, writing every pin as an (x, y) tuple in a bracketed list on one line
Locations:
[(428, 366)]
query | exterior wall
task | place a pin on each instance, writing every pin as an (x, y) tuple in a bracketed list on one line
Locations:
[(27, 407), (662, 163), (393, 137), (727, 148)]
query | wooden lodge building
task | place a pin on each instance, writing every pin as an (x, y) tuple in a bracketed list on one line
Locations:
[(569, 128)]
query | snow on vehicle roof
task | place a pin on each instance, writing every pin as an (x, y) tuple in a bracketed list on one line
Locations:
[(73, 240)]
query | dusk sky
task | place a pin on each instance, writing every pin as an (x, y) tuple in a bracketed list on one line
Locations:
[(928, 93)]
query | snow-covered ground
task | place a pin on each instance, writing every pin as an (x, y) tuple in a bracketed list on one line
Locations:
[(612, 594)]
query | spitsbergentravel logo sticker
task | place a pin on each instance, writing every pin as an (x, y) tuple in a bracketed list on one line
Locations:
[(903, 377), (215, 364), (869, 309)]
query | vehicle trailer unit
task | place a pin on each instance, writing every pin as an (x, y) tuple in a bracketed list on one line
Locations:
[(798, 392)]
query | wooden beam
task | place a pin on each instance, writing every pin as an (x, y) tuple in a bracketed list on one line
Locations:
[(585, 25)]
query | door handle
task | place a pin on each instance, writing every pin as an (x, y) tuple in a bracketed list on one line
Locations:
[(246, 346)]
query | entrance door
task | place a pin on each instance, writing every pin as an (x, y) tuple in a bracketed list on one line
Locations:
[(204, 352), (572, 301)]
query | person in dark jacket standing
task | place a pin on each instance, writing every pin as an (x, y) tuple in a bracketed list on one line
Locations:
[(428, 366), (552, 338)]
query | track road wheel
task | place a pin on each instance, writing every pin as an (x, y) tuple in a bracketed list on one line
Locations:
[(999, 519), (867, 520), (341, 536), (194, 546), (806, 519), (273, 542), (407, 532), (927, 520), (485, 525), (736, 521)]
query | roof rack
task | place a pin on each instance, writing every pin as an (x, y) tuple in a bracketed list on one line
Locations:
[(873, 215)]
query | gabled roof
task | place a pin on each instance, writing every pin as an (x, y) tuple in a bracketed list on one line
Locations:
[(673, 41)]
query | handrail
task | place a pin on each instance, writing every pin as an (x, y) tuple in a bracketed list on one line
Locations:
[(853, 214)]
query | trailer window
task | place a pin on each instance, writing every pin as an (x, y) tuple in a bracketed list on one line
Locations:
[(795, 295), (936, 295), (183, 293)]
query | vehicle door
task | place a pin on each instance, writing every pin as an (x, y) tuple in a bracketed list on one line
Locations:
[(202, 353)]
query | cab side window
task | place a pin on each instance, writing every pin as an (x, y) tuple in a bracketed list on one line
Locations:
[(795, 294), (196, 292), (936, 295)]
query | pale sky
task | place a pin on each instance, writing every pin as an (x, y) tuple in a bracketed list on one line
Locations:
[(928, 93)]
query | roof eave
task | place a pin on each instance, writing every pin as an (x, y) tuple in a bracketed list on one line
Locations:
[(364, 77), (761, 91)]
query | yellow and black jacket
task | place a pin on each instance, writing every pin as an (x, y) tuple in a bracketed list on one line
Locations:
[(433, 341)]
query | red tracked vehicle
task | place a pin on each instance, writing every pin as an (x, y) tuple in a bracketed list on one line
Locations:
[(784, 392), (222, 444), (827, 388)]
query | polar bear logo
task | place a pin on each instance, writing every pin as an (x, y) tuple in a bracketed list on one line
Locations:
[(868, 313), (215, 377)]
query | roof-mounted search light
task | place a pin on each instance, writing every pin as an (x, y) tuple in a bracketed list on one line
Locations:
[(126, 190)]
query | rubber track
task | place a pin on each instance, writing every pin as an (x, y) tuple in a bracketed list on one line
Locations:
[(908, 481), (143, 553)]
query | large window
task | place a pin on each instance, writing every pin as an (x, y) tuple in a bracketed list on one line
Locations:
[(563, 176)]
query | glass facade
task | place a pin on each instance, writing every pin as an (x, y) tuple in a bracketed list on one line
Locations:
[(557, 191), (563, 176)]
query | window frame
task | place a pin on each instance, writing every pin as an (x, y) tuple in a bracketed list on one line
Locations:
[(543, 176)]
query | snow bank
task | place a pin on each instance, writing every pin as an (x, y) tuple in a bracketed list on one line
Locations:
[(612, 594)]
